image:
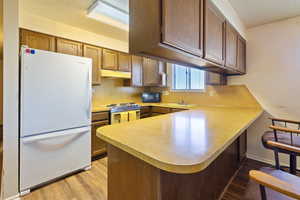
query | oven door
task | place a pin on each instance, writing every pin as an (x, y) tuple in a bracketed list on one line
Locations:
[(119, 117), (134, 115)]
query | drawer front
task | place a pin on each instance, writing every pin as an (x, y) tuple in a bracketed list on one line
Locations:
[(161, 110), (98, 116)]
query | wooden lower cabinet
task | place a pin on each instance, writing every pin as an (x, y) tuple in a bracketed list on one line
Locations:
[(242, 147), (145, 111), (162, 110), (177, 110), (98, 146), (130, 178), (152, 111)]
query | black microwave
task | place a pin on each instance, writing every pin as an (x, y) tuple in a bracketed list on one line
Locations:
[(151, 97)]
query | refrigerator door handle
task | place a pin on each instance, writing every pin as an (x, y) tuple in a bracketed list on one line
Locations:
[(37, 138), (89, 95)]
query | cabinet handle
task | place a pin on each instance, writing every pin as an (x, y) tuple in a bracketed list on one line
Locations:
[(55, 135)]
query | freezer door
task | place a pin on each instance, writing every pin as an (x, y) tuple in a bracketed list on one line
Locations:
[(55, 92), (49, 156)]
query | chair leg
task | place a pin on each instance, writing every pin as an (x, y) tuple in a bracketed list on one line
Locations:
[(263, 192), (293, 164), (277, 165)]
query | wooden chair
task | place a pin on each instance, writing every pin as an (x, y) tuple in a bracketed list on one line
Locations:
[(286, 136), (277, 179)]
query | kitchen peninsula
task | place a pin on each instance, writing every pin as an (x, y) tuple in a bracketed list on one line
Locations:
[(185, 155)]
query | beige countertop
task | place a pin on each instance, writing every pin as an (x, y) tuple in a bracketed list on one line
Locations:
[(182, 142), (101, 108)]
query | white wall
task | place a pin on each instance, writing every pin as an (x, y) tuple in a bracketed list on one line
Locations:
[(11, 89), (44, 25), (273, 76), (231, 15)]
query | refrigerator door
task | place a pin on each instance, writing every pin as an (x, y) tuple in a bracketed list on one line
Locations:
[(55, 92), (49, 156)]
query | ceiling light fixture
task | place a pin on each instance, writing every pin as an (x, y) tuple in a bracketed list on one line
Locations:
[(110, 14)]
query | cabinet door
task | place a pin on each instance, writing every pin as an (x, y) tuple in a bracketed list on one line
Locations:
[(214, 34), (151, 74), (231, 47), (98, 145), (95, 53), (242, 146), (37, 40), (68, 47), (212, 78), (241, 55), (109, 60), (182, 25), (162, 69), (137, 71), (124, 62)]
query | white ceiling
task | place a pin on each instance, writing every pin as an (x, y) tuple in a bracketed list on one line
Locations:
[(258, 12), (72, 12)]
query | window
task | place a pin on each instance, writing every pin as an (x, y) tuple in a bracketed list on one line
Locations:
[(187, 78)]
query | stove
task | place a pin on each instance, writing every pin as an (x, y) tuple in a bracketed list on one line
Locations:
[(123, 107)]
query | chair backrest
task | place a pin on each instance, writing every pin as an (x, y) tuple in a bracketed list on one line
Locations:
[(288, 126)]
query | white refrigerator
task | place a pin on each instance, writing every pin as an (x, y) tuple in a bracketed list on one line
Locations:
[(55, 116)]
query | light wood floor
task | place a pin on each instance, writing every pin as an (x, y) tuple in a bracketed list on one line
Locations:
[(92, 185), (88, 185)]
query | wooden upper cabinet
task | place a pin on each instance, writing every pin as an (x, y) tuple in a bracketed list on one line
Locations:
[(215, 79), (109, 60), (137, 71), (151, 74), (37, 40), (162, 69), (231, 46), (69, 47), (182, 25), (241, 55), (95, 53), (169, 30), (124, 63), (214, 34)]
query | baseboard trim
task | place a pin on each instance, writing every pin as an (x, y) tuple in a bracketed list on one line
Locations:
[(16, 197), (264, 160)]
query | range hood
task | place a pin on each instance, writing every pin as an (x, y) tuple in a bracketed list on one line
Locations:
[(115, 74)]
